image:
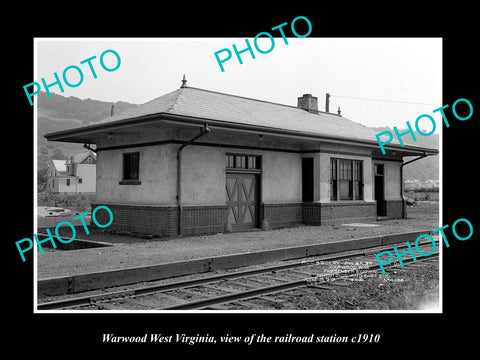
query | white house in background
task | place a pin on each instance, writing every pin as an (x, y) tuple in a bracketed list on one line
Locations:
[(73, 176)]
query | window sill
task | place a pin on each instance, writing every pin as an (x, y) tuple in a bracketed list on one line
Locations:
[(350, 202), (130, 182), (243, 171)]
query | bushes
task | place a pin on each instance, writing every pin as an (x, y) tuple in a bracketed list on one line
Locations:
[(422, 190), (422, 186), (422, 195), (75, 202)]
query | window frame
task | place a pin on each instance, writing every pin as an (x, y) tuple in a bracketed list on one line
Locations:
[(241, 162), (127, 173), (346, 170)]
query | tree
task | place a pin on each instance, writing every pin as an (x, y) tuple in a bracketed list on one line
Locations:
[(42, 179), (58, 154)]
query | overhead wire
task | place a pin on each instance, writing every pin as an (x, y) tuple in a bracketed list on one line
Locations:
[(383, 100)]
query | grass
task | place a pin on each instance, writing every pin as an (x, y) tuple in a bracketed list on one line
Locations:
[(422, 186)]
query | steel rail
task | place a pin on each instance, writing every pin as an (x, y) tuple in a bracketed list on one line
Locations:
[(146, 290), (88, 300), (251, 293)]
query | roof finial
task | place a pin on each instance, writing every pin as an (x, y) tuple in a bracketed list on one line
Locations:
[(184, 82), (339, 111)]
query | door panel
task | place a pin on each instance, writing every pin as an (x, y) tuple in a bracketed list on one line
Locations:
[(242, 200)]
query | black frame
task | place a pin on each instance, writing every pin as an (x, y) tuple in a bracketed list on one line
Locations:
[(243, 162), (307, 179), (130, 168), (346, 170)]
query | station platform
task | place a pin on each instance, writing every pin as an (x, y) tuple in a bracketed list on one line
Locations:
[(127, 252)]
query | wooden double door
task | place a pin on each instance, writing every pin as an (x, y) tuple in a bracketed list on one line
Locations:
[(242, 197)]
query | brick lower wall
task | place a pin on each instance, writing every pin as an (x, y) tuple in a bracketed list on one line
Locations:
[(282, 215), (312, 214), (394, 209), (157, 220), (340, 213), (293, 214), (163, 220), (204, 219)]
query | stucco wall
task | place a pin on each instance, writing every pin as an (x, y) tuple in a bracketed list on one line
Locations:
[(203, 176), (204, 167), (204, 171), (157, 173), (281, 177)]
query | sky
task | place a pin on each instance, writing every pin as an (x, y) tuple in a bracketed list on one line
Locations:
[(395, 72)]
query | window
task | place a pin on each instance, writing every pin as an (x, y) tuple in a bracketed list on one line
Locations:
[(131, 169), (79, 180), (68, 182), (378, 169), (252, 162), (346, 179), (130, 166), (230, 161), (242, 161)]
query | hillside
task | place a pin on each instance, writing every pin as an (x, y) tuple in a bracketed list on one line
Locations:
[(60, 113), (424, 169)]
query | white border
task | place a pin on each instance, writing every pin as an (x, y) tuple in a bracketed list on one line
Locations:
[(35, 201)]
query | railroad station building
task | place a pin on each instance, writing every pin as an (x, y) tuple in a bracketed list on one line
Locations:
[(196, 161)]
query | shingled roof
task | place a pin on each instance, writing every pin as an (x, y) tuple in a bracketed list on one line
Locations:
[(78, 158), (194, 102), (231, 110)]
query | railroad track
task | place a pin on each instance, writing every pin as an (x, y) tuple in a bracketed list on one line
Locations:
[(235, 287)]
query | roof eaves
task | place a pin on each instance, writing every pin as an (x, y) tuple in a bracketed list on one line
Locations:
[(60, 135), (172, 117), (241, 126)]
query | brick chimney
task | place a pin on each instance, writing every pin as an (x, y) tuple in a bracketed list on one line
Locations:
[(309, 103), (72, 166)]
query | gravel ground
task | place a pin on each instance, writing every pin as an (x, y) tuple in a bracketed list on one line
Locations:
[(404, 288), (133, 252)]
